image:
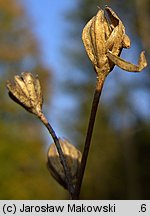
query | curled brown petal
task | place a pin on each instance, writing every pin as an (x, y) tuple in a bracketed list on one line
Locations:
[(142, 63), (86, 38), (21, 85), (15, 93), (112, 16), (126, 42), (118, 39), (38, 91), (30, 85), (99, 32)]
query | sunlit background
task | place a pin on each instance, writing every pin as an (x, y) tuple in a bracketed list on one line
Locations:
[(44, 37)]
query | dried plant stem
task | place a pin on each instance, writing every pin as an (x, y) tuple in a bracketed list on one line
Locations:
[(97, 94), (61, 155)]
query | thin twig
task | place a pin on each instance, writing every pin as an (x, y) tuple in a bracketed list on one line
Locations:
[(97, 94), (61, 155)]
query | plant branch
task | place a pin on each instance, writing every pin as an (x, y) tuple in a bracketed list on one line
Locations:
[(97, 94), (61, 155)]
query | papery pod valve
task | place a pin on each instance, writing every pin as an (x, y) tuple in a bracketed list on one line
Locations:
[(73, 159), (26, 91)]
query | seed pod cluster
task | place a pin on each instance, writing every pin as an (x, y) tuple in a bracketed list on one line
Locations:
[(73, 158)]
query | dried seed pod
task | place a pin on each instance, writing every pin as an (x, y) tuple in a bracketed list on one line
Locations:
[(26, 91), (104, 40), (73, 158)]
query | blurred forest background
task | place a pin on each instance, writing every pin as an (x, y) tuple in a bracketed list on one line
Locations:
[(119, 159), (23, 171)]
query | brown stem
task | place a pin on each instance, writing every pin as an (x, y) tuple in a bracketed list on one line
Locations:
[(97, 94), (61, 155)]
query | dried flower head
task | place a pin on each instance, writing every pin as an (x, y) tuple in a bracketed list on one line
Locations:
[(104, 38), (73, 158), (26, 91)]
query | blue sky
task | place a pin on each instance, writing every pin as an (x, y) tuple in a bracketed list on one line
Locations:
[(49, 24)]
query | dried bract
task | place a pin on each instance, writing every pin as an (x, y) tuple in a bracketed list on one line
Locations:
[(104, 38), (26, 91), (73, 158), (142, 63)]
